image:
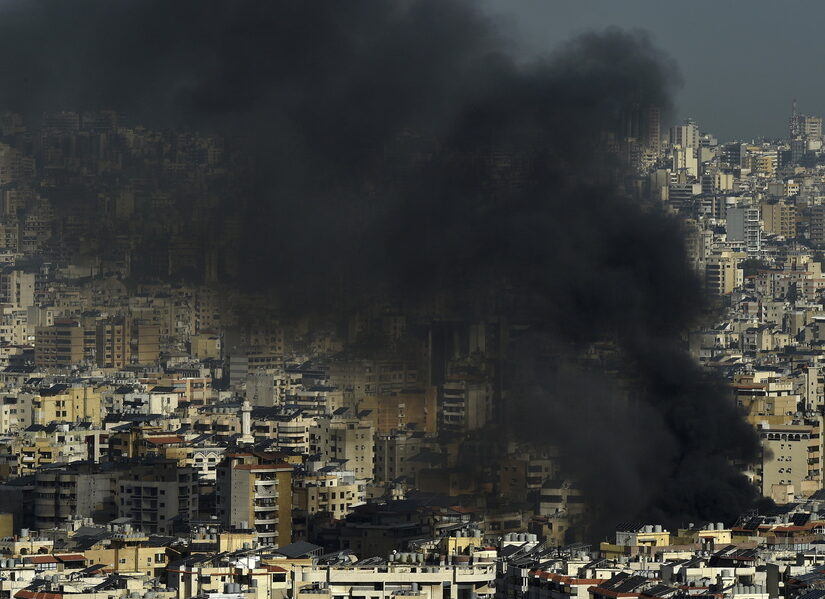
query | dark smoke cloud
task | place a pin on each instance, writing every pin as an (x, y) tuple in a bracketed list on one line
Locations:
[(401, 148), (654, 442)]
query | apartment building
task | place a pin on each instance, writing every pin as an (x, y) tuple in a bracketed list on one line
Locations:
[(254, 491), (346, 438)]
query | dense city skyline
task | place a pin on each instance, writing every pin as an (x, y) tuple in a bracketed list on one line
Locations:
[(409, 299)]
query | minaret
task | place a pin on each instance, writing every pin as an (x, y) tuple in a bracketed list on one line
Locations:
[(246, 423)]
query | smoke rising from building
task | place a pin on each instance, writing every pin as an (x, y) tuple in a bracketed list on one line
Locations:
[(401, 148)]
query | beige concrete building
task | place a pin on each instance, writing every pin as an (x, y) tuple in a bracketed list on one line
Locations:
[(62, 345), (435, 582), (465, 405), (205, 345), (157, 494), (791, 455), (224, 577), (766, 399), (561, 496), (112, 343), (395, 454), (57, 443), (722, 272), (329, 491), (287, 428), (779, 218), (80, 490), (133, 553), (346, 438), (254, 491), (397, 410), (649, 535), (144, 344), (816, 226), (67, 403)]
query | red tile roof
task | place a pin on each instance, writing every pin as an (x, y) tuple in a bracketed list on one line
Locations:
[(71, 557), (165, 440), (275, 569), (43, 559), (26, 594)]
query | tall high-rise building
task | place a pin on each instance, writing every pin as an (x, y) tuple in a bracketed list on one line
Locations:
[(345, 437), (254, 492), (779, 218), (157, 495), (144, 342), (722, 272), (685, 135), (652, 129), (733, 154), (465, 405), (638, 136), (643, 124), (17, 287), (803, 125), (744, 225), (816, 227), (60, 346), (119, 342), (112, 343)]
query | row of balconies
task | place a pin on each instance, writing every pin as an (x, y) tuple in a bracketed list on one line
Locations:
[(266, 498), (51, 510)]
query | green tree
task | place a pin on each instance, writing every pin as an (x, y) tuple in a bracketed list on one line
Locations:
[(753, 265)]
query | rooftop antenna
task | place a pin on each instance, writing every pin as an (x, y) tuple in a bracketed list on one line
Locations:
[(793, 108)]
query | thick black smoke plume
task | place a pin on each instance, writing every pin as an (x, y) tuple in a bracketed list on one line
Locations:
[(400, 148)]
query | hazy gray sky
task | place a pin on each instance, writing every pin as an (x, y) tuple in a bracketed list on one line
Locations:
[(742, 61)]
